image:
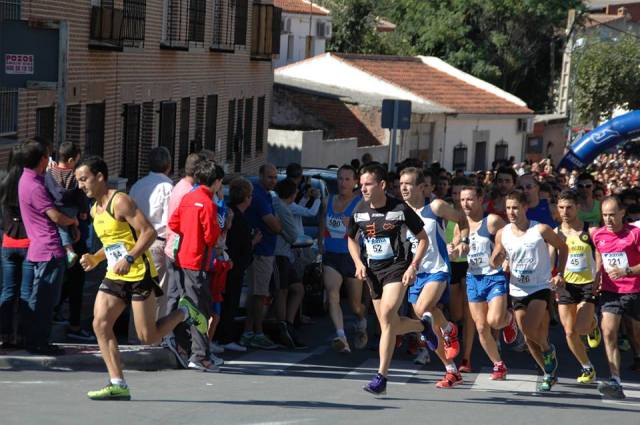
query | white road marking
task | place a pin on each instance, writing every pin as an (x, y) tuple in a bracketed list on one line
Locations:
[(270, 362), (632, 393), (517, 381), (29, 382), (399, 374)]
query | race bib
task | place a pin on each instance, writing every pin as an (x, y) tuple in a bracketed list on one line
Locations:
[(478, 259), (615, 260), (336, 226), (522, 273), (577, 262), (115, 253), (379, 248)]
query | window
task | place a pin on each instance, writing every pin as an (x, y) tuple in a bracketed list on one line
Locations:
[(114, 27), (46, 123), (248, 126), (231, 116), (238, 137), (260, 125), (94, 130), (290, 46), (167, 133), (133, 26), (184, 23), (9, 9), (8, 111), (460, 157), (265, 39), (210, 122), (146, 137), (480, 162), (535, 145), (224, 15), (183, 149), (242, 15), (130, 142), (197, 141), (309, 47), (502, 151), (72, 133)]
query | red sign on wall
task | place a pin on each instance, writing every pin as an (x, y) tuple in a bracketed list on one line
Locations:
[(16, 64)]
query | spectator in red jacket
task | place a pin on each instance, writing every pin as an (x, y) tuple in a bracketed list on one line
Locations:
[(196, 225)]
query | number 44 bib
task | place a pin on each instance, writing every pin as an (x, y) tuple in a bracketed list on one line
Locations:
[(615, 260), (378, 248), (115, 253)]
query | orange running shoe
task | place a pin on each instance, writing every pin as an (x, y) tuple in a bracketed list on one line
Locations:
[(450, 380), (499, 372), (451, 344)]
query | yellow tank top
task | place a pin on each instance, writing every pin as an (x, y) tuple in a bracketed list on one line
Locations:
[(117, 235), (580, 268)]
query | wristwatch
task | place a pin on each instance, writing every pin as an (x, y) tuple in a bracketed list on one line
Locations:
[(464, 240), (129, 259), (627, 271)]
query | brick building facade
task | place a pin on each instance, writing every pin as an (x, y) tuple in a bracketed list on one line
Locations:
[(185, 74)]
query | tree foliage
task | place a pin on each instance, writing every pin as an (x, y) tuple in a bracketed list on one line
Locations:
[(607, 77), (514, 44)]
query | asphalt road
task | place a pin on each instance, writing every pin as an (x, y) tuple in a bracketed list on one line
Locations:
[(319, 386)]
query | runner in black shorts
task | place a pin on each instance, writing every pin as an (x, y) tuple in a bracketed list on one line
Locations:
[(382, 222)]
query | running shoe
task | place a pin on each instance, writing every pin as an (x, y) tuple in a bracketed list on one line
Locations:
[(234, 346), (110, 392), (81, 335), (216, 348), (340, 344), (377, 385), (594, 338), (550, 360), (428, 335), (284, 337), (422, 357), (360, 339), (450, 380), (611, 389), (510, 332), (451, 344), (623, 344), (587, 376), (245, 340), (465, 366), (262, 342), (204, 367), (217, 361), (297, 343), (169, 342), (499, 372), (195, 316), (548, 381)]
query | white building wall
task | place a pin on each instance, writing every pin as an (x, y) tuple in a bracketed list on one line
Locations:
[(300, 29)]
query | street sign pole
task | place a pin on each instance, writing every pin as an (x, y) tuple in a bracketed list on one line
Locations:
[(394, 132)]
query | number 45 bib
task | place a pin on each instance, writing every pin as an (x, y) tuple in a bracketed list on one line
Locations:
[(378, 248)]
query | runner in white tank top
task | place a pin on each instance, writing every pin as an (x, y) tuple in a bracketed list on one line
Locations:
[(525, 244)]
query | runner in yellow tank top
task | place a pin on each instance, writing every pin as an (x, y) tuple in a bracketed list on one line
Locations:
[(126, 236), (576, 301)]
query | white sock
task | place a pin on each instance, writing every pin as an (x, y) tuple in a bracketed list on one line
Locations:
[(616, 378), (447, 328), (451, 368), (587, 366), (118, 381), (184, 311), (340, 333)]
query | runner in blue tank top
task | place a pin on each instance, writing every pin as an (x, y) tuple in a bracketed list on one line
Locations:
[(432, 281), (486, 286), (338, 267)]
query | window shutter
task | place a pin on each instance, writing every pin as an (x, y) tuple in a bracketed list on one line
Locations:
[(183, 149), (211, 120), (248, 126), (94, 130), (260, 125), (167, 136), (231, 115), (130, 143), (242, 8), (275, 30)]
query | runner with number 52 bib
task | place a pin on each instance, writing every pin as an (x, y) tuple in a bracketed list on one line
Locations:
[(382, 221), (525, 244), (618, 245)]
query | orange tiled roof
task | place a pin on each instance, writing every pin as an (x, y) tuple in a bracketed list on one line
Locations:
[(432, 84), (300, 6), (595, 19)]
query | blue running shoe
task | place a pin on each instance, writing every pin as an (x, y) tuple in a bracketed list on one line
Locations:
[(377, 386), (428, 334)]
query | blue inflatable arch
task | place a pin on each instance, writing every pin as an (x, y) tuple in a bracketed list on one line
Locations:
[(588, 147)]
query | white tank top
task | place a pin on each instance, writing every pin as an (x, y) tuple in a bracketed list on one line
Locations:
[(529, 260), (480, 248), (436, 258)]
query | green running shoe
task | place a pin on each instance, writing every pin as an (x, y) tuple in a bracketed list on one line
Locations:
[(197, 318), (548, 381), (550, 360), (110, 392)]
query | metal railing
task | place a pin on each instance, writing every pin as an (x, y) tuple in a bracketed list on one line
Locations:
[(133, 26), (224, 16), (8, 111), (185, 22), (9, 9)]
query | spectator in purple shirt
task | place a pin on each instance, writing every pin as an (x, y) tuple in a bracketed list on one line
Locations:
[(40, 218)]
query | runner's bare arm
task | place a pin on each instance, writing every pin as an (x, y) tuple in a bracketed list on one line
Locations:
[(446, 211), (321, 226), (354, 251), (498, 255), (598, 279), (495, 223), (561, 247), (91, 261), (124, 209)]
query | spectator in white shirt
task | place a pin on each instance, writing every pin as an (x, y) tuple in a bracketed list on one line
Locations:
[(151, 193)]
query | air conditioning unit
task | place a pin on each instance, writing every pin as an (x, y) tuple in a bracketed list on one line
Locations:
[(525, 125)]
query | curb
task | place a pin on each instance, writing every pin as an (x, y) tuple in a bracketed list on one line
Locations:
[(143, 358)]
